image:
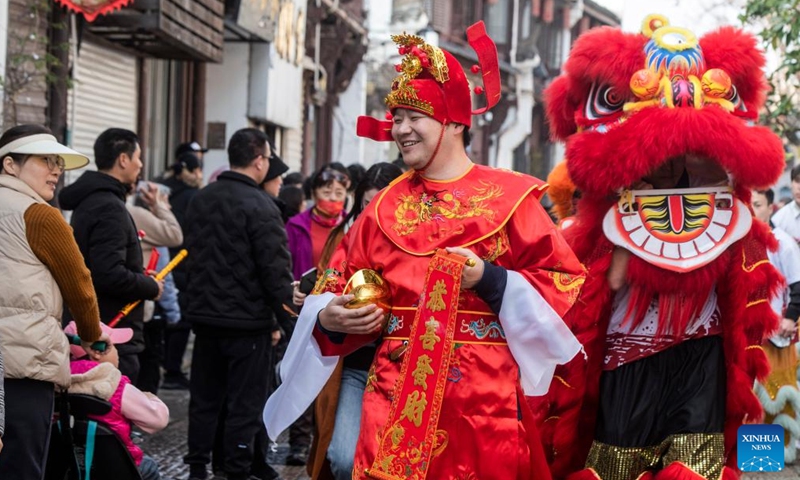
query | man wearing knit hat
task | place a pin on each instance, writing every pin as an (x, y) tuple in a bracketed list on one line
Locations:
[(479, 279)]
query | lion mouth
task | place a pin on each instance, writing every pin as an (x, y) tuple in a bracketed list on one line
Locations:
[(685, 171), (680, 216)]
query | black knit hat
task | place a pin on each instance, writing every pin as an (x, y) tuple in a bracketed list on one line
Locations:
[(276, 168)]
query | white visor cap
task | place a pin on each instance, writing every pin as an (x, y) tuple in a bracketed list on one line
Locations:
[(45, 144)]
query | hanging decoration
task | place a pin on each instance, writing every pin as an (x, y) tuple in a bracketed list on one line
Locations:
[(92, 8)]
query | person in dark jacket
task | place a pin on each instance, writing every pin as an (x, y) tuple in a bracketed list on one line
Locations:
[(108, 240), (184, 183), (239, 271)]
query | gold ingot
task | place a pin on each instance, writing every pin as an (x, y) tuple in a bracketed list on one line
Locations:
[(368, 287)]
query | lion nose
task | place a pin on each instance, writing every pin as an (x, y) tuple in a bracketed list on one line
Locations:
[(683, 93)]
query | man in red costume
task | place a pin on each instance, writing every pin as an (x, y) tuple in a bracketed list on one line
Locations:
[(661, 142), (463, 344)]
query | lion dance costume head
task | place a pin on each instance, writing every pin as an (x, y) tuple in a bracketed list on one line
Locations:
[(662, 143)]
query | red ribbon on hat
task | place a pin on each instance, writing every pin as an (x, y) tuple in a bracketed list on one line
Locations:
[(486, 50)]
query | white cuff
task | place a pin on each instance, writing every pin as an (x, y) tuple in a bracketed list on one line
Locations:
[(537, 337), (304, 370)]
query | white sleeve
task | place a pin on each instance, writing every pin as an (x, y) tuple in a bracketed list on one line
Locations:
[(789, 254), (304, 370), (537, 337)]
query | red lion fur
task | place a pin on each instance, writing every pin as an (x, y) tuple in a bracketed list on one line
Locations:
[(600, 164)]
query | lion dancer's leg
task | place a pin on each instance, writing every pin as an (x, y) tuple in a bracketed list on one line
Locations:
[(662, 417)]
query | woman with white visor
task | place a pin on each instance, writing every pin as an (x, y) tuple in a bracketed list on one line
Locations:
[(41, 268)]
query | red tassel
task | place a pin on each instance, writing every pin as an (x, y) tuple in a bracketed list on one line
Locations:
[(388, 116), (478, 90), (475, 68)]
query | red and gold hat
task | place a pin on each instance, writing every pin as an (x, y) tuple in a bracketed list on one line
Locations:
[(432, 81)]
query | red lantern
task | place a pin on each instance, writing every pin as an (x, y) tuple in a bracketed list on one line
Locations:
[(91, 10)]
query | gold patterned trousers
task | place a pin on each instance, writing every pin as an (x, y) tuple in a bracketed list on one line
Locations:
[(703, 453)]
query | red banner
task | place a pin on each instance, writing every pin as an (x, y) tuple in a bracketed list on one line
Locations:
[(410, 438), (92, 8)]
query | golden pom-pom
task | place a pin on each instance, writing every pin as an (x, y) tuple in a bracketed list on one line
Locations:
[(644, 84), (652, 23), (716, 83)]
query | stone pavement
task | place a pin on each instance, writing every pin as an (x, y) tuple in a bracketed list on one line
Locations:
[(169, 445)]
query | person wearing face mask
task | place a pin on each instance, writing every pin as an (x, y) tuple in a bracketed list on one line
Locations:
[(307, 233), (309, 230), (41, 267), (337, 410)]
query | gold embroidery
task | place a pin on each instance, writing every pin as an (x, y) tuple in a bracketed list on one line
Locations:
[(327, 282), (440, 442), (422, 371), (397, 434), (429, 338), (415, 407), (436, 302), (372, 379), (500, 245), (414, 210), (568, 284)]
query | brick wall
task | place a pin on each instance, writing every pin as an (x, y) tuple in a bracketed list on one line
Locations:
[(24, 82)]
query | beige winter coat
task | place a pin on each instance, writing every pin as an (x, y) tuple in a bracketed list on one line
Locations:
[(31, 339)]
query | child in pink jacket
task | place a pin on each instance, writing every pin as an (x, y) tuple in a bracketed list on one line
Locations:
[(100, 376)]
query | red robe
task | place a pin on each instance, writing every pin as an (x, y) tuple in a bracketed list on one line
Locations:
[(496, 214)]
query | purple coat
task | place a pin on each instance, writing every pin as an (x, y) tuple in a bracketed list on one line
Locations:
[(298, 232)]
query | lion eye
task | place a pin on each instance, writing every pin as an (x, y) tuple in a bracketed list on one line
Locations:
[(604, 100)]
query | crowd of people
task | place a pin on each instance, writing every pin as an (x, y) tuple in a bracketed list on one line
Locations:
[(426, 317), (235, 290)]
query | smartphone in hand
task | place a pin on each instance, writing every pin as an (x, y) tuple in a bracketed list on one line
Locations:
[(307, 281)]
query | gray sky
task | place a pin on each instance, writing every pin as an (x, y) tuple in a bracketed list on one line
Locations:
[(700, 16)]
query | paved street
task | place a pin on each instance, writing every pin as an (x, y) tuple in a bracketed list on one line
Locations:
[(169, 446)]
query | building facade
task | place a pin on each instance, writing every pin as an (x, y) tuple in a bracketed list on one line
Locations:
[(533, 39)]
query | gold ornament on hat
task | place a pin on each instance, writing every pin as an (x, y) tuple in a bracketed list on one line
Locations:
[(417, 56)]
